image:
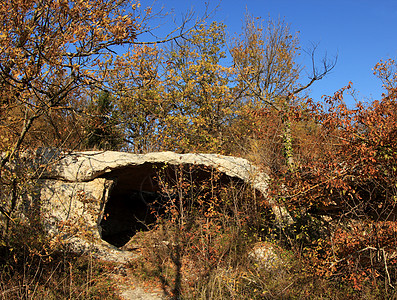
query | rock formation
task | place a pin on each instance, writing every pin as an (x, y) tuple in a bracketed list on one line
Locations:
[(99, 199)]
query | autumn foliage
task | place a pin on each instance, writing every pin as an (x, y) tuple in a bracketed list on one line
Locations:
[(349, 184), (76, 75)]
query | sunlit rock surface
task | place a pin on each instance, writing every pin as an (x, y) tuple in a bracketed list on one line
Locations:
[(100, 198)]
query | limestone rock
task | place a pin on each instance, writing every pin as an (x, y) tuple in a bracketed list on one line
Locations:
[(264, 256), (74, 203), (84, 166), (92, 196)]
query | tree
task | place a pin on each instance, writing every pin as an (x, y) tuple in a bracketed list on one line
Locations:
[(176, 97), (103, 130), (51, 50), (139, 94), (268, 75), (54, 52), (198, 90), (386, 71), (54, 57), (265, 60), (351, 180)]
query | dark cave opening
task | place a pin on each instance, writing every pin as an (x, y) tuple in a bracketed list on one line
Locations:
[(126, 214), (129, 208), (136, 194)]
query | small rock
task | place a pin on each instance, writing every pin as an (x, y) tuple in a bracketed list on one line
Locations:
[(264, 256)]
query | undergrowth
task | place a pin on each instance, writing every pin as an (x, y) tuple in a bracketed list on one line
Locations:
[(207, 251), (34, 267), (59, 276)]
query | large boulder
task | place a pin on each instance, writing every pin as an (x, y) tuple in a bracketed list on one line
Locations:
[(98, 199)]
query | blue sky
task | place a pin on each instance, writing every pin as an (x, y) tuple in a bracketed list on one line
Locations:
[(360, 32)]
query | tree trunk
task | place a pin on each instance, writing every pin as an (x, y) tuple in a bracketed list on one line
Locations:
[(288, 149)]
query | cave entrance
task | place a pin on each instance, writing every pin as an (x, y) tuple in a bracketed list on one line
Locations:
[(126, 214), (128, 209), (136, 193)]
